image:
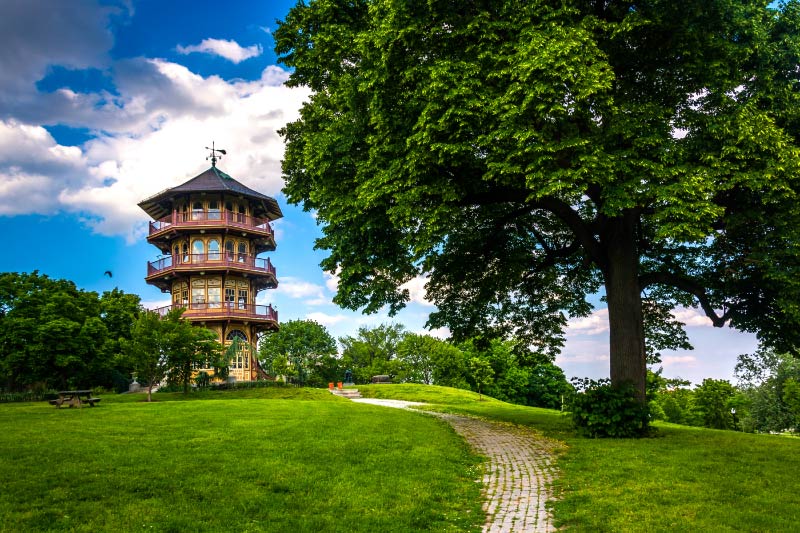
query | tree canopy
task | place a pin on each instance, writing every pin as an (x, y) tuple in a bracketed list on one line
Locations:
[(526, 155), (307, 346), (53, 334)]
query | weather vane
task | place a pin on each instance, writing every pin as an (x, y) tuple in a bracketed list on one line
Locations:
[(214, 157)]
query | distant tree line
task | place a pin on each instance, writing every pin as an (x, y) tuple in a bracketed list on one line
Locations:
[(306, 354), (766, 398)]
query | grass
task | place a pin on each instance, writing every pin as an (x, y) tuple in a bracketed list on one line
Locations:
[(683, 479), (258, 462), (289, 459)]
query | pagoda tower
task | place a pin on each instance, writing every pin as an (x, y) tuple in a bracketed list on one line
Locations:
[(211, 231)]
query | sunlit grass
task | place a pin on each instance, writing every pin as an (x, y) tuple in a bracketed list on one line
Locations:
[(233, 465), (683, 479)]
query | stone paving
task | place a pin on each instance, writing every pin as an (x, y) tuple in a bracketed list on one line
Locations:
[(518, 473)]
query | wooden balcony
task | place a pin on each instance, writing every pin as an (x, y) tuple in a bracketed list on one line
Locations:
[(161, 231), (168, 267), (211, 311)]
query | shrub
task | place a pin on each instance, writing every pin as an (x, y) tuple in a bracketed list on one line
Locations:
[(602, 410)]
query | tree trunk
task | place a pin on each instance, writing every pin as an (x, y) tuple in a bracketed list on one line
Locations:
[(625, 320)]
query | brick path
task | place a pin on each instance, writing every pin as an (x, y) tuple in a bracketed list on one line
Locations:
[(516, 483), (519, 471)]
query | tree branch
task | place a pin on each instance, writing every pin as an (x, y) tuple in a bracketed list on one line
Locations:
[(686, 285)]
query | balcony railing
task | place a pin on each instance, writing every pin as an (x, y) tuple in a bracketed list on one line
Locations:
[(226, 309), (211, 217), (210, 260)]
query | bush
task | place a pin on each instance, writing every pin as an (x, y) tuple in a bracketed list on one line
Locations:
[(602, 410)]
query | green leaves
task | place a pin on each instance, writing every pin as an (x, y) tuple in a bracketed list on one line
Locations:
[(501, 148)]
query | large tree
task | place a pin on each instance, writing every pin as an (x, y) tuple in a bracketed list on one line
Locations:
[(526, 155)]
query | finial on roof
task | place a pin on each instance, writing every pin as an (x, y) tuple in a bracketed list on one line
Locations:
[(214, 151)]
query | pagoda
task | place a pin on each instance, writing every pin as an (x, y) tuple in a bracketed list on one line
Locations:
[(211, 232)]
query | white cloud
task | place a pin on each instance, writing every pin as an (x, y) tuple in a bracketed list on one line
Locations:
[(331, 281), (230, 50), (440, 333), (155, 304), (300, 289), (416, 290), (326, 319), (33, 166), (691, 317), (593, 324), (41, 33), (169, 122), (678, 360)]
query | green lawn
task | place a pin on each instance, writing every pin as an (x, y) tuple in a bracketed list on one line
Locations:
[(683, 479), (287, 459), (255, 464)]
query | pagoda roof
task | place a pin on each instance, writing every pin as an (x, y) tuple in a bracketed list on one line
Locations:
[(212, 180)]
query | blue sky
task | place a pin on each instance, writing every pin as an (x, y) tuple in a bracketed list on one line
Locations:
[(105, 103)]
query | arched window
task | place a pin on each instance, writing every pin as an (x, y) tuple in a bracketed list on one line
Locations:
[(176, 254), (242, 252), (229, 250), (197, 211), (213, 250), (185, 247), (198, 250), (242, 358)]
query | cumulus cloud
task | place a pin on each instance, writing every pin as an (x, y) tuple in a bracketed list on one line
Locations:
[(331, 281), (593, 324), (33, 166), (679, 360), (30, 45), (230, 50), (416, 290), (157, 134), (691, 317), (325, 319), (442, 333), (311, 293)]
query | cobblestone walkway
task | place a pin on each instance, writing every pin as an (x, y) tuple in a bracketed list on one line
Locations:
[(518, 473), (517, 478)]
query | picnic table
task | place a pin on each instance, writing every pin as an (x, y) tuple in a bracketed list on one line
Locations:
[(74, 398)]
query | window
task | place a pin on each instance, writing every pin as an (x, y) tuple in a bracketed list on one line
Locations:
[(197, 211), (198, 250), (242, 252), (242, 358), (242, 299), (241, 215), (176, 254), (214, 297), (213, 250), (198, 298), (213, 210), (185, 247), (180, 293), (229, 250), (230, 295)]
